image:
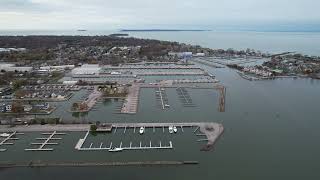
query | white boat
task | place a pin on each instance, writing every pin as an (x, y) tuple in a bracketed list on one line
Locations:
[(114, 149), (4, 135), (170, 129), (175, 130), (141, 131), (167, 105)]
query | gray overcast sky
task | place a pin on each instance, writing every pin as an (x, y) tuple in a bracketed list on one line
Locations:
[(110, 14)]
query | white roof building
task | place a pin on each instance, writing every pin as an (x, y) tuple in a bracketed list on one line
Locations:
[(57, 68), (11, 67), (199, 54), (70, 82), (87, 69)]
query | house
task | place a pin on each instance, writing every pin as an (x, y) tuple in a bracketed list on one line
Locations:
[(60, 97), (199, 55), (53, 95), (8, 108), (3, 108), (27, 108), (5, 91), (43, 106), (115, 73)]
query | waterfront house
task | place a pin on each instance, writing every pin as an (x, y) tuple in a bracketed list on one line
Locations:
[(43, 106), (27, 108), (8, 108)]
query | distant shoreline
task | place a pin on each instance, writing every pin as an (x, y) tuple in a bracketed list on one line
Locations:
[(163, 30)]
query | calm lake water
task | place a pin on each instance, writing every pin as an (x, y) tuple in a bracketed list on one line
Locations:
[(273, 42), (271, 130)]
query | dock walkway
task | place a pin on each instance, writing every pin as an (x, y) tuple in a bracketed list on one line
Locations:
[(10, 137), (130, 105), (46, 142)]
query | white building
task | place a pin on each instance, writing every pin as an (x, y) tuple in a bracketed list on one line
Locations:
[(12, 49), (70, 82), (199, 55), (87, 69), (9, 107), (57, 68), (181, 54), (12, 67), (115, 73)]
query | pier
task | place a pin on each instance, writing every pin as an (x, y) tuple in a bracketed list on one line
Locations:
[(212, 131), (162, 98), (150, 146), (185, 73), (184, 97), (222, 97), (90, 101), (208, 63), (130, 105), (9, 138), (46, 142)]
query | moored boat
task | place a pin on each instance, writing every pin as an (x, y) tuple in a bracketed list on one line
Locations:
[(114, 149), (141, 131), (175, 130), (4, 135), (171, 129)]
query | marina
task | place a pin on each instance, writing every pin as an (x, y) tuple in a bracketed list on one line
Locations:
[(211, 130), (113, 148), (263, 120)]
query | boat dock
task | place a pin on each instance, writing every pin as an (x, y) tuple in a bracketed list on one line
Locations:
[(212, 131), (9, 138), (184, 97), (130, 105), (184, 73), (162, 98), (107, 147), (195, 81), (90, 101), (208, 63), (46, 142)]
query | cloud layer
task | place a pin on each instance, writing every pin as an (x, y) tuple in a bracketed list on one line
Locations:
[(109, 14)]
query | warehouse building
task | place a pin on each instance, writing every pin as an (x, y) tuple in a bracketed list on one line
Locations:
[(86, 69), (12, 68)]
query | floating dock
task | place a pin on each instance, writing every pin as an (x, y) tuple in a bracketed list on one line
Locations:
[(162, 98), (108, 147), (212, 131), (46, 142), (130, 105), (9, 138), (184, 97)]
